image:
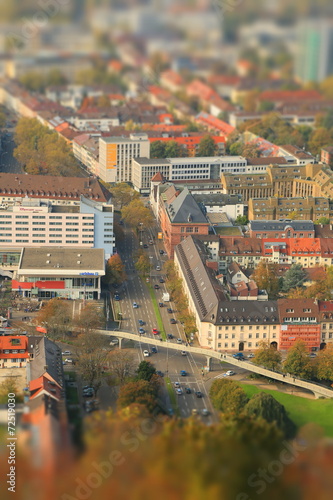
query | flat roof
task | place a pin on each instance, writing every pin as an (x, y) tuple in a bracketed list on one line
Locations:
[(57, 260)]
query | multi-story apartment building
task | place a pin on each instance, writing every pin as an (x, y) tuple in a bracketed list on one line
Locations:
[(13, 351), (308, 208), (221, 203), (299, 319), (35, 223), (284, 228), (116, 153)]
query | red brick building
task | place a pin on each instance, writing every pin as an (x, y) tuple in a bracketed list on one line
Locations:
[(191, 142), (326, 155), (299, 319), (179, 216)]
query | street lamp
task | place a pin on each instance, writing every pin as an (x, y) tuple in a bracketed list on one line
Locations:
[(151, 265), (140, 231)]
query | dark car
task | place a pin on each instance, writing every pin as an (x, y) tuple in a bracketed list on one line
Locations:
[(154, 349), (173, 321), (170, 336), (161, 280), (159, 373), (188, 390), (183, 373), (141, 322), (121, 223), (169, 310), (117, 297), (141, 331), (198, 394), (160, 304), (239, 355), (156, 287), (161, 252), (145, 245)]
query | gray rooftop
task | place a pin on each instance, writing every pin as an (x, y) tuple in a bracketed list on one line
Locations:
[(142, 160), (184, 209), (218, 199), (281, 225), (52, 258)]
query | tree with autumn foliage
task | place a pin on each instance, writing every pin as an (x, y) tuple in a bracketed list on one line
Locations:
[(140, 392), (136, 215), (266, 277), (324, 363), (123, 194), (89, 318), (267, 356), (228, 396), (297, 362), (56, 317), (115, 270)]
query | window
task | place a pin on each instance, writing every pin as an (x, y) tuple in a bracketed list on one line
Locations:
[(189, 229)]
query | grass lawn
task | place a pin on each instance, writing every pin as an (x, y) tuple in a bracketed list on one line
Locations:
[(72, 395), (301, 410), (172, 394), (157, 311)]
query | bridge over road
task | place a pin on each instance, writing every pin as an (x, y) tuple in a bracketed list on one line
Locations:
[(317, 389)]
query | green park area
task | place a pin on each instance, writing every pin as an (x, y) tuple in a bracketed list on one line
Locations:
[(301, 410)]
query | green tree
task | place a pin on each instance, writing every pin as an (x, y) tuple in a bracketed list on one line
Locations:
[(145, 371), (236, 149), (241, 220), (324, 363), (207, 146), (227, 396), (297, 362), (326, 86), (267, 356), (33, 80), (265, 275), (250, 151), (9, 386), (265, 406), (319, 138), (265, 106), (115, 270), (55, 77), (174, 150), (322, 220), (157, 149), (294, 277), (123, 194)]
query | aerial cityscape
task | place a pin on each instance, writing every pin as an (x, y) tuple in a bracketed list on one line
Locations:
[(166, 249)]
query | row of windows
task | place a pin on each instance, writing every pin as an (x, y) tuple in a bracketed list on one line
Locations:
[(233, 345)]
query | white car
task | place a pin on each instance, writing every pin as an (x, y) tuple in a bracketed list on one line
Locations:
[(204, 412), (229, 373), (179, 391), (66, 353), (135, 305), (146, 353), (114, 342), (177, 385)]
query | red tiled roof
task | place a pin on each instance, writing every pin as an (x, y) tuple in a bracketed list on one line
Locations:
[(216, 123), (158, 177), (173, 77), (45, 383), (201, 90), (6, 343)]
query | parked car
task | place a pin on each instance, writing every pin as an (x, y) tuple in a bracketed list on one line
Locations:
[(183, 373), (66, 353), (88, 393), (238, 355), (154, 331), (251, 355), (173, 321), (121, 223), (135, 305), (146, 353)]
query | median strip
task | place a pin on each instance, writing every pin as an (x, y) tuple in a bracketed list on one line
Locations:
[(157, 312), (172, 395)]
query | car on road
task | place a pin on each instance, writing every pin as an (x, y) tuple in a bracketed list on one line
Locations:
[(251, 355), (229, 373), (145, 245), (238, 355), (160, 304), (204, 412), (121, 223), (156, 287), (150, 242), (114, 342), (194, 411), (176, 384), (159, 373), (198, 394), (158, 268), (183, 373), (154, 331), (170, 311), (173, 321), (161, 252), (66, 353), (170, 412), (183, 353), (179, 341), (179, 391), (69, 360), (135, 305), (117, 297), (170, 336), (147, 280), (141, 322), (88, 393), (188, 390), (141, 331), (161, 280), (154, 349), (146, 353)]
